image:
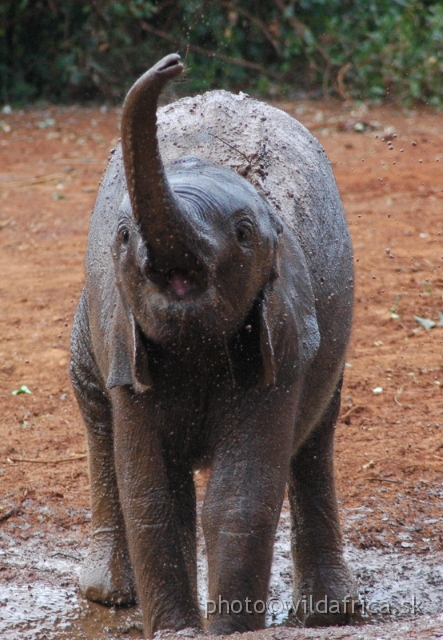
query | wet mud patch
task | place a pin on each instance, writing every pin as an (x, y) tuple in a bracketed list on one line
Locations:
[(39, 596), (40, 599)]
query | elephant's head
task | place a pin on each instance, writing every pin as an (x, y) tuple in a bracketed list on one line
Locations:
[(196, 248)]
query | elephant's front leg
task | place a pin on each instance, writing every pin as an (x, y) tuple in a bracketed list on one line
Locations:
[(106, 575), (325, 591), (241, 511), (158, 501)]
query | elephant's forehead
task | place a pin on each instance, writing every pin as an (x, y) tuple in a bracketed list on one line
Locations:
[(272, 150), (226, 185)]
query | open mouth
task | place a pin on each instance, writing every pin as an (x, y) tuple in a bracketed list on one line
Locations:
[(181, 282), (179, 276)]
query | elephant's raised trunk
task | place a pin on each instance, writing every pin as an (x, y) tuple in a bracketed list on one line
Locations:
[(153, 203)]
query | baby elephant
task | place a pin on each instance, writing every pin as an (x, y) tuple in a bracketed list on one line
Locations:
[(211, 332)]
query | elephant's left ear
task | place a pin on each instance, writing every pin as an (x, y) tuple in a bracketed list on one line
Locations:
[(289, 333), (127, 357)]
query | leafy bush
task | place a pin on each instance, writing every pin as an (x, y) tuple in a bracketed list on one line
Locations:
[(395, 49), (363, 49)]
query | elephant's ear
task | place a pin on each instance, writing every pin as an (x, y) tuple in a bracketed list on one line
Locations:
[(128, 360), (289, 334)]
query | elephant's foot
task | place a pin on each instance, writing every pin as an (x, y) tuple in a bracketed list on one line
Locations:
[(185, 632), (328, 596), (240, 619), (106, 575), (225, 626)]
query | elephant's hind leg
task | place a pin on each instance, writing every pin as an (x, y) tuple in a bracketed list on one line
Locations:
[(325, 591), (106, 575)]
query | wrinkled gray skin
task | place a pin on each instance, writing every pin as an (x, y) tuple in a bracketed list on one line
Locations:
[(212, 333)]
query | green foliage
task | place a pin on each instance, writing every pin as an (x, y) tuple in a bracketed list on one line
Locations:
[(395, 50), (364, 49)]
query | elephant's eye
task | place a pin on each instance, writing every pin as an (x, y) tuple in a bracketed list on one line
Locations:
[(243, 231), (123, 234)]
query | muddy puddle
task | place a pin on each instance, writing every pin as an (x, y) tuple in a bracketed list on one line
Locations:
[(40, 600)]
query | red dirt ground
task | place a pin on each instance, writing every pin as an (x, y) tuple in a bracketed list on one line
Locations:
[(389, 445)]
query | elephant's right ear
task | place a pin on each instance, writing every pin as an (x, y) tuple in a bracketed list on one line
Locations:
[(128, 360)]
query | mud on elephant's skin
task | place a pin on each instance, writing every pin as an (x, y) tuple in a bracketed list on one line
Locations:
[(212, 332)]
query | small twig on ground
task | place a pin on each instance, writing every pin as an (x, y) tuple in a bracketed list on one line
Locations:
[(397, 396), (31, 181), (80, 456), (379, 479), (66, 555), (347, 414), (12, 512), (425, 464)]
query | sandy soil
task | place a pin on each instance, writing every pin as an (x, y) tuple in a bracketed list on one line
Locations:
[(388, 163)]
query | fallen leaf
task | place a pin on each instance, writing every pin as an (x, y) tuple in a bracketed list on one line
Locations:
[(23, 389), (427, 323)]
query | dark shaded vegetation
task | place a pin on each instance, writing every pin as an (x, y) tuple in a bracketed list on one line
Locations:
[(65, 50)]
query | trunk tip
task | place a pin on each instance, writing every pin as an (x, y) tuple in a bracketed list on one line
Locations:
[(155, 78), (170, 64)]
